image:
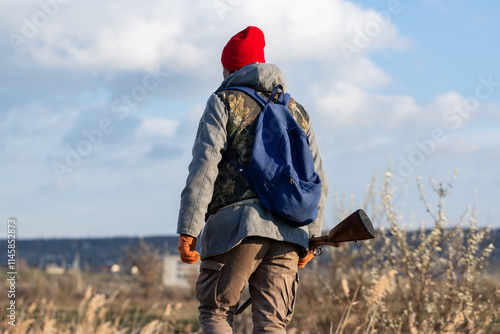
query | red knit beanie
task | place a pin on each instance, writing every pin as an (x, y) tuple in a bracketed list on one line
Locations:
[(244, 48)]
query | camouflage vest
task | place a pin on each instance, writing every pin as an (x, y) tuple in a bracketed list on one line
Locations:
[(230, 186)]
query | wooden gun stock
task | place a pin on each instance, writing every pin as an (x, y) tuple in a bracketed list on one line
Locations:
[(357, 226)]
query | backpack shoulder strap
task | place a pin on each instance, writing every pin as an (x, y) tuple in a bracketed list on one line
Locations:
[(283, 99), (249, 91)]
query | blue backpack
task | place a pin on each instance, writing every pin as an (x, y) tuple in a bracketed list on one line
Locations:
[(281, 171)]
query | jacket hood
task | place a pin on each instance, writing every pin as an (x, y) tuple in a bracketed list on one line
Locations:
[(259, 76)]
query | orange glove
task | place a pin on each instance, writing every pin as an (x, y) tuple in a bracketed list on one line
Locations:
[(187, 249), (310, 255), (303, 261)]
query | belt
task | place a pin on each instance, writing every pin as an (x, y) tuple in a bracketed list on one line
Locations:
[(242, 202)]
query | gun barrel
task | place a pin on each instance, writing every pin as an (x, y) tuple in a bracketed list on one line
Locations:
[(244, 306)]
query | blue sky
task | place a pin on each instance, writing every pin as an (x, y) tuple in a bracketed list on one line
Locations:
[(100, 103), (453, 43)]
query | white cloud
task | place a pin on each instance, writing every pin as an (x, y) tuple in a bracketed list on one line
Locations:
[(461, 146), (115, 35), (363, 73), (343, 104), (154, 127), (349, 105), (188, 38), (492, 110), (30, 131), (126, 35)]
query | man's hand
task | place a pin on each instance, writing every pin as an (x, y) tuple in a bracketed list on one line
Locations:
[(187, 249), (303, 261), (310, 255)]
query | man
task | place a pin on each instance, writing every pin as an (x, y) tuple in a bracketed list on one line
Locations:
[(241, 242)]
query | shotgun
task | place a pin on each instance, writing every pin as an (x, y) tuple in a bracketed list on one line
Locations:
[(356, 227)]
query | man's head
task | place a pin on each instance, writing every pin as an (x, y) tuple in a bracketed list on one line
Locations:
[(246, 47)]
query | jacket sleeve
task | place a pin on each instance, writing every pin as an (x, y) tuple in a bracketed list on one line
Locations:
[(209, 144), (315, 227)]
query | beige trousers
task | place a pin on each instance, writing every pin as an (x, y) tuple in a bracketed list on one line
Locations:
[(270, 268)]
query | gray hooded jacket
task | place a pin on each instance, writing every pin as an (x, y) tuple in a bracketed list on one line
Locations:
[(229, 226)]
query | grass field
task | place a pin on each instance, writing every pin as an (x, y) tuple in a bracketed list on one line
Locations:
[(433, 280)]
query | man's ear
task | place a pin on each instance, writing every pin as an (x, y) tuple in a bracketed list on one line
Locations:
[(226, 72)]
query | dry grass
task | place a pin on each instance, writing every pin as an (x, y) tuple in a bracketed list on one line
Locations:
[(429, 281), (95, 314), (109, 304)]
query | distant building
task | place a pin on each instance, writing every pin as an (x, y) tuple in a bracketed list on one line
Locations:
[(177, 273), (54, 269)]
